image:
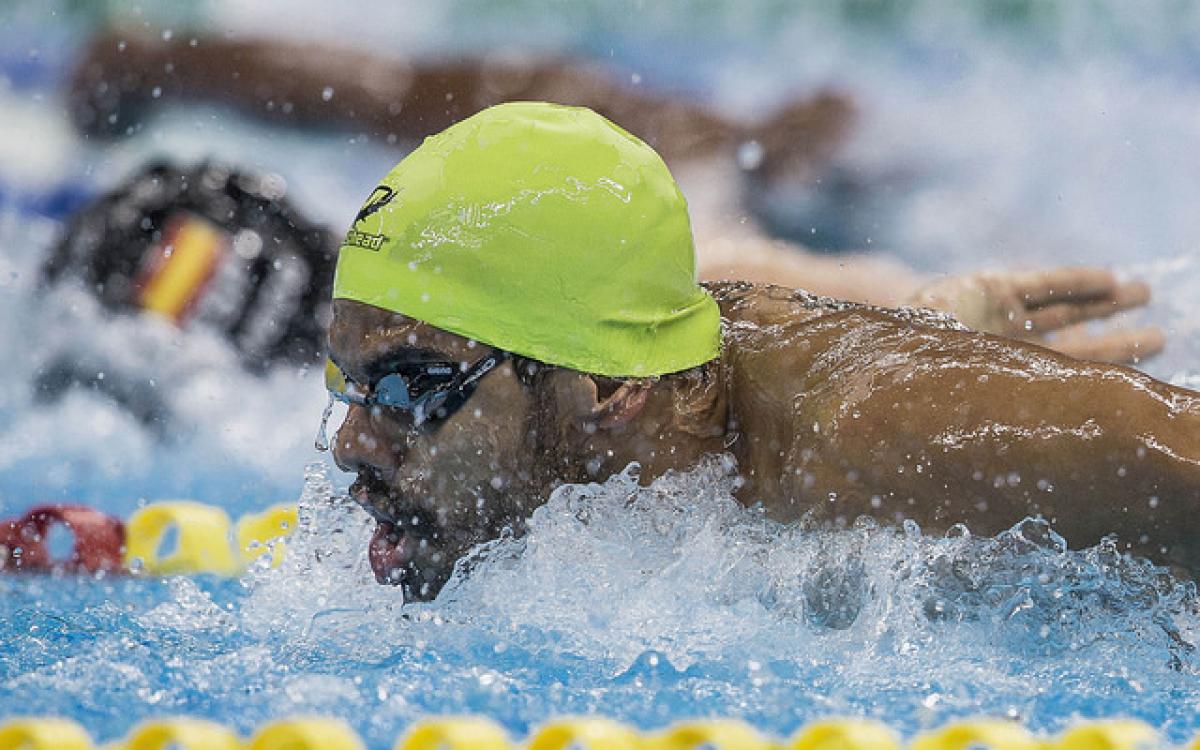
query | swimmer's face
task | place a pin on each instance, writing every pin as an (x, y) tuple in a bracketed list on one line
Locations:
[(438, 488)]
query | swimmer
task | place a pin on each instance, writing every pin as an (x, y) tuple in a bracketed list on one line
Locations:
[(531, 318), (122, 74), (206, 245)]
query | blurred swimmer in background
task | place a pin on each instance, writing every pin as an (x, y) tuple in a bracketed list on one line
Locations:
[(207, 247)]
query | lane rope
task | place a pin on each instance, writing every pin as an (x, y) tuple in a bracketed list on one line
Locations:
[(478, 733), (172, 537)]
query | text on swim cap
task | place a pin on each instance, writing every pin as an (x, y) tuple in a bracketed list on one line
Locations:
[(364, 240)]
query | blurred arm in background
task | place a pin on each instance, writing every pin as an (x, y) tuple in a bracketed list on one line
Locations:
[(123, 74)]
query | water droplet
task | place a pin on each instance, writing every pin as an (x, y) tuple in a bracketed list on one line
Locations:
[(750, 156), (322, 441)]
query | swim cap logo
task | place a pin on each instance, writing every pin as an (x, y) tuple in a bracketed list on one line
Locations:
[(379, 197)]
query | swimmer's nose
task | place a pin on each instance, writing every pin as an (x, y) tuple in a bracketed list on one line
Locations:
[(358, 444)]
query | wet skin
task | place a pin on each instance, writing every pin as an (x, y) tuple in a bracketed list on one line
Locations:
[(831, 409)]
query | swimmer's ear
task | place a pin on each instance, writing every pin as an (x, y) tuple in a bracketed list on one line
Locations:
[(622, 406), (618, 408)]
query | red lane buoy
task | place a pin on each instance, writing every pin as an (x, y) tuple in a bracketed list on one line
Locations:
[(99, 540)]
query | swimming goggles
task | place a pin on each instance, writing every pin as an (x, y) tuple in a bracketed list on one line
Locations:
[(428, 390)]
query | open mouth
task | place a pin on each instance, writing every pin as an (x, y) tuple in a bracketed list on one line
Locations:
[(391, 554), (399, 539), (390, 550)]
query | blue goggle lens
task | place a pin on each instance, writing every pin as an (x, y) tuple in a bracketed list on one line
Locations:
[(392, 390)]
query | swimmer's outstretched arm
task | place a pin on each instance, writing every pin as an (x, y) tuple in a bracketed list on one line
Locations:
[(1046, 306), (390, 98), (386, 97), (943, 426)]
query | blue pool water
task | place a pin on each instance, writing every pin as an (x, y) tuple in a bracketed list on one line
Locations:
[(1057, 136), (645, 604)]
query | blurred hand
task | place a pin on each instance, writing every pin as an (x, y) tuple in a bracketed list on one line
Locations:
[(1049, 307)]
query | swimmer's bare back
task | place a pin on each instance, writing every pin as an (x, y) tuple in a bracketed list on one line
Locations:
[(907, 415)]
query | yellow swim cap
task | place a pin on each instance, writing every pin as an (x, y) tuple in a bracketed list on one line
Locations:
[(543, 230)]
